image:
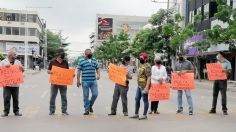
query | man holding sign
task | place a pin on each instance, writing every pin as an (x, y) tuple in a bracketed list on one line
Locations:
[(121, 90), (13, 90), (59, 61), (220, 85), (181, 67)]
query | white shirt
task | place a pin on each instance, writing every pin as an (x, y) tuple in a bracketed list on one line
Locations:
[(6, 62), (158, 73)]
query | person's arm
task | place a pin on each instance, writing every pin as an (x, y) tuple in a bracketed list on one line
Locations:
[(50, 68), (165, 74), (79, 67), (148, 74), (98, 73)]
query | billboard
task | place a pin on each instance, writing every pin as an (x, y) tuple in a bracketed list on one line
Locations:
[(104, 28), (20, 48)]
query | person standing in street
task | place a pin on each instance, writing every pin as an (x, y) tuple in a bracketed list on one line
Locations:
[(184, 66), (221, 85), (159, 76), (61, 62), (88, 69), (144, 81), (122, 90), (11, 91)]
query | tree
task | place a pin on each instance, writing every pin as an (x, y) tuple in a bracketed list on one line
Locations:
[(54, 43), (1, 56), (112, 49)]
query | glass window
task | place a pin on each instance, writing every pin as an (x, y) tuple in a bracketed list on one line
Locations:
[(22, 31), (1, 15), (8, 16), (15, 17), (15, 31), (35, 18), (8, 30), (30, 18), (1, 30), (23, 17), (32, 32)]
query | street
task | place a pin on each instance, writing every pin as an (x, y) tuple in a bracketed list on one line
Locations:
[(34, 105)]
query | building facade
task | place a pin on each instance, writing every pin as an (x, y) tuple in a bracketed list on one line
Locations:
[(20, 30), (107, 25), (207, 8)]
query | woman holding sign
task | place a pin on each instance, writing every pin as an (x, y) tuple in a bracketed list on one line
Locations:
[(159, 76), (59, 61)]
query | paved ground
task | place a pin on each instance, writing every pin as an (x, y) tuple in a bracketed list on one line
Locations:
[(34, 103)]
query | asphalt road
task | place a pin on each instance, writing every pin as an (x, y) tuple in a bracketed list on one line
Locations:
[(34, 104)]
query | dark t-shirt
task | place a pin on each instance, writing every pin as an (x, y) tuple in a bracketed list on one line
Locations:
[(64, 64)]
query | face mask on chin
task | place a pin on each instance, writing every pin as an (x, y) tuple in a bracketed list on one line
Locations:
[(181, 58)]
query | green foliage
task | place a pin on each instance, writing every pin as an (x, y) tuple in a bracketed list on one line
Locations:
[(113, 48), (1, 56), (54, 43)]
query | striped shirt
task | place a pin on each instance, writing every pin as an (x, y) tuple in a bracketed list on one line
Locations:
[(88, 69)]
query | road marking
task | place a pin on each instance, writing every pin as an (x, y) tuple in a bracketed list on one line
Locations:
[(44, 94)]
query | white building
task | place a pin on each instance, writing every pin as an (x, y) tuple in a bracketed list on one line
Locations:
[(14, 25), (107, 25)]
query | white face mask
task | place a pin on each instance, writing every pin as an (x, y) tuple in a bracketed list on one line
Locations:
[(218, 57)]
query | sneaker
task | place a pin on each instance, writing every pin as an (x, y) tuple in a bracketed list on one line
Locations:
[(179, 111), (212, 111), (91, 110), (134, 117), (4, 115), (190, 112), (144, 117), (126, 114), (86, 113), (51, 113), (112, 114), (65, 113), (225, 112), (18, 114)]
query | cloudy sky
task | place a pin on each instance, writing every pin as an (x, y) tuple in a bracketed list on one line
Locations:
[(76, 18)]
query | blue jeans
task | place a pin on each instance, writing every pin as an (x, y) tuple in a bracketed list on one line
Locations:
[(189, 99), (139, 95), (94, 90)]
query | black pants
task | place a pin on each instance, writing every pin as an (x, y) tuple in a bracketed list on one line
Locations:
[(9, 92), (154, 106), (120, 91), (54, 91), (220, 86)]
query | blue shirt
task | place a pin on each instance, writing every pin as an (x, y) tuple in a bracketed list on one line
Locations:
[(226, 65), (88, 68)]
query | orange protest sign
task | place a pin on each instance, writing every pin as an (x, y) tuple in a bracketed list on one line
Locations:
[(215, 72), (184, 81), (10, 76), (61, 76), (117, 74), (159, 92)]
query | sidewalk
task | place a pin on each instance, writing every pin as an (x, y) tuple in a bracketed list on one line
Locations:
[(32, 72)]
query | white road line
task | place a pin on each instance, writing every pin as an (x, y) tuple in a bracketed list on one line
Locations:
[(44, 94)]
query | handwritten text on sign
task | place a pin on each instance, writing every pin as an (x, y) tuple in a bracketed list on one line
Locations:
[(184, 81), (215, 72), (159, 92), (117, 74), (10, 76), (61, 76)]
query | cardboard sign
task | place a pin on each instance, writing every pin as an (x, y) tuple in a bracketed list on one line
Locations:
[(183, 81), (117, 74), (215, 72), (10, 76), (62, 76), (159, 92)]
